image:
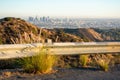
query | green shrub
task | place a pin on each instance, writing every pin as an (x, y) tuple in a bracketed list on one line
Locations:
[(103, 61), (104, 65), (43, 62), (84, 60)]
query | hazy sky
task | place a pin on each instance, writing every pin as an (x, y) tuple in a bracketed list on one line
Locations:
[(65, 8)]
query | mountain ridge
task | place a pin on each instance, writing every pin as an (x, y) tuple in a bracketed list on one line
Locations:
[(18, 31)]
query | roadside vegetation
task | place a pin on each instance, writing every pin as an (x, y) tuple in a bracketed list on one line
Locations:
[(103, 61), (84, 60), (43, 62), (97, 60)]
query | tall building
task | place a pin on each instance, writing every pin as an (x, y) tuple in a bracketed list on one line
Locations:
[(30, 19)]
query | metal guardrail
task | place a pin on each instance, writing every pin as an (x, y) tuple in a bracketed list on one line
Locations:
[(22, 50)]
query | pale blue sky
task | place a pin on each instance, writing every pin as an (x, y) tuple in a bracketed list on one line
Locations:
[(65, 8)]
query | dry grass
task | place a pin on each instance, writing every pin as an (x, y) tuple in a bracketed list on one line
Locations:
[(43, 62), (84, 60), (7, 74), (26, 38), (103, 61)]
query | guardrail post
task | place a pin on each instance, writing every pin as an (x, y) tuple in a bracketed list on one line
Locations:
[(49, 41)]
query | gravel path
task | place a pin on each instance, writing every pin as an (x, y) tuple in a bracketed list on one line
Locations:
[(65, 74)]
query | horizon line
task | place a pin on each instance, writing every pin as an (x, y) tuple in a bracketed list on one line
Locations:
[(62, 17)]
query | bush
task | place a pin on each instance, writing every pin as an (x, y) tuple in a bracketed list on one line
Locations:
[(84, 60), (103, 64), (103, 61), (41, 63)]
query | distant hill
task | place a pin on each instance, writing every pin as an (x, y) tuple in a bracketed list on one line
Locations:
[(109, 34), (94, 34), (86, 34)]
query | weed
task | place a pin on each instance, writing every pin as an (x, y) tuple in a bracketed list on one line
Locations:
[(84, 60), (41, 63), (103, 62), (68, 66)]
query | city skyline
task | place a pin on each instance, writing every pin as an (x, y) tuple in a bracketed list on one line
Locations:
[(60, 8)]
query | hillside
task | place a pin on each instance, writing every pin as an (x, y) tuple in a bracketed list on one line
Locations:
[(109, 34), (86, 35), (94, 34), (16, 30)]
